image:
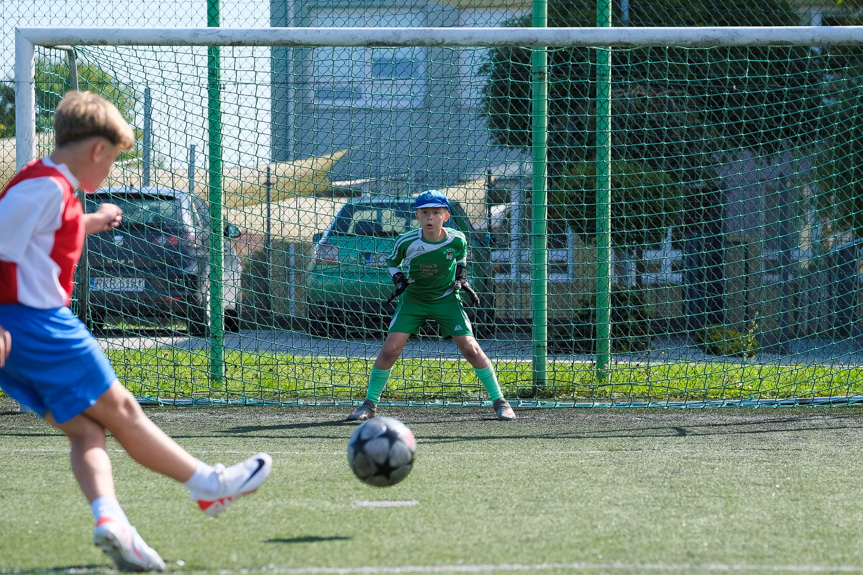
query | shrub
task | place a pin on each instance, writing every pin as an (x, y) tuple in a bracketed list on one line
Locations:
[(721, 340), (630, 325)]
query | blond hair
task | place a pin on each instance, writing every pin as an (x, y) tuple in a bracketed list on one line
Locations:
[(82, 115)]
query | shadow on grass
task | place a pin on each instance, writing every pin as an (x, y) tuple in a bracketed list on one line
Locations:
[(607, 429), (309, 539), (569, 424), (77, 569), (304, 425)]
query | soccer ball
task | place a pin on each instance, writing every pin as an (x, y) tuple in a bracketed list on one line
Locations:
[(381, 451)]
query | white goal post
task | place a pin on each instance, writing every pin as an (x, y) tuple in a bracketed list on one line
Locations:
[(449, 107), (27, 38)]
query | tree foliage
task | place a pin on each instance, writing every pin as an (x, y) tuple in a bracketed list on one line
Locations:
[(840, 147), (51, 84), (7, 110), (644, 202), (672, 107)]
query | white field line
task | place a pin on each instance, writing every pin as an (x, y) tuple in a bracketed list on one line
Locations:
[(407, 503), (194, 451), (426, 455), (510, 567), (533, 567)]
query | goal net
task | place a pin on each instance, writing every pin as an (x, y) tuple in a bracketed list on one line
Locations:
[(666, 216)]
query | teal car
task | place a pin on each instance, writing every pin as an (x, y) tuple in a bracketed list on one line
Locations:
[(347, 281)]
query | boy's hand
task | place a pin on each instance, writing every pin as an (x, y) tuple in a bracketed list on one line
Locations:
[(462, 283), (5, 345), (106, 218), (401, 282)]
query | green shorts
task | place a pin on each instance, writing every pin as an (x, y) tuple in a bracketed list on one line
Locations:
[(446, 311)]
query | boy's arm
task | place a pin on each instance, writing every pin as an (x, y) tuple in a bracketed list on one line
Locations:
[(400, 280), (5, 345), (105, 219), (461, 281), (394, 259)]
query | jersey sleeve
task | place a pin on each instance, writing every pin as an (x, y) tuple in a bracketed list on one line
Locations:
[(394, 259), (461, 252), (27, 208)]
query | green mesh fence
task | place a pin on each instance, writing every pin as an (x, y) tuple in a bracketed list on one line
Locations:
[(735, 221)]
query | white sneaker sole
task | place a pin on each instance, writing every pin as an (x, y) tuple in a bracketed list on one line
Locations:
[(132, 560)]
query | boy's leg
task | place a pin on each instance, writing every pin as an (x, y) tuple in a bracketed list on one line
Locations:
[(119, 412), (474, 354), (380, 375), (214, 488), (113, 534), (91, 465)]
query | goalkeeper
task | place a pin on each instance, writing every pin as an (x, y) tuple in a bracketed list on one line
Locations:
[(433, 259)]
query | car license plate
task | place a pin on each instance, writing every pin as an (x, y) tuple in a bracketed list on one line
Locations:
[(375, 260), (117, 284)]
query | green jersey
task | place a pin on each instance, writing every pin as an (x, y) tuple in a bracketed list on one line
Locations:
[(429, 265)]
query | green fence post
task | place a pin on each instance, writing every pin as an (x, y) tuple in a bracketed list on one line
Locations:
[(539, 237), (214, 123), (603, 197)]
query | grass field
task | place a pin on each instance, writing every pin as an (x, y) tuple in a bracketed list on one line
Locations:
[(169, 374), (557, 491)]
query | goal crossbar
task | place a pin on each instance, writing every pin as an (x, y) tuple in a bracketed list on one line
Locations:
[(26, 38), (431, 36)]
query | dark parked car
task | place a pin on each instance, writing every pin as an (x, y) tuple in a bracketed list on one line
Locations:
[(347, 281), (156, 264)]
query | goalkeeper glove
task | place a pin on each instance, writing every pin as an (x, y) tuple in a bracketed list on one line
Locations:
[(462, 283), (401, 282)]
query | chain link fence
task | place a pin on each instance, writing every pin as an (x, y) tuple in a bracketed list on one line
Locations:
[(735, 218)]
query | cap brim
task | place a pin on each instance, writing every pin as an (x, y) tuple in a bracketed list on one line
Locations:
[(434, 205)]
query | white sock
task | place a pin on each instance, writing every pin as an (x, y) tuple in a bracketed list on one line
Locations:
[(108, 507), (204, 479)]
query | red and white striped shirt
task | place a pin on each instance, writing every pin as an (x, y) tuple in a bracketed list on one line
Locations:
[(41, 236)]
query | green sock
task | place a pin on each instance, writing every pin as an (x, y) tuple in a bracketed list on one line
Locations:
[(488, 378), (377, 383)]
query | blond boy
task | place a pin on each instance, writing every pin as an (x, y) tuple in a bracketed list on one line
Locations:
[(77, 391)]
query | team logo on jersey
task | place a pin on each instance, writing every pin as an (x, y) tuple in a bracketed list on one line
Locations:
[(450, 254)]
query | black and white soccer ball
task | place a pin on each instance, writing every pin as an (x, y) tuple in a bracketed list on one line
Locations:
[(381, 451)]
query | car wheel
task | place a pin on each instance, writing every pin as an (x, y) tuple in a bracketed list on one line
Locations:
[(319, 324), (484, 317), (232, 320), (96, 323), (198, 318)]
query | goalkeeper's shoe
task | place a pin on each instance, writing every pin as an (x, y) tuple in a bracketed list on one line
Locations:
[(363, 412), (503, 410), (234, 482), (121, 542)]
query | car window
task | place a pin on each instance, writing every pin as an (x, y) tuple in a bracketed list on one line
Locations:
[(201, 213), (141, 210), (385, 220)]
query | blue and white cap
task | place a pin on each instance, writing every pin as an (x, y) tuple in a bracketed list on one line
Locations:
[(431, 199)]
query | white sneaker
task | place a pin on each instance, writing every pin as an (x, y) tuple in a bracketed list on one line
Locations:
[(121, 542), (234, 482)]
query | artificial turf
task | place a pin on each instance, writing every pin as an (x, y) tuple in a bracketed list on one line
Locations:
[(556, 491)]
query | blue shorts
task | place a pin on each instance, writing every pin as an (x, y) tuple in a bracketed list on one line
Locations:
[(55, 364)]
